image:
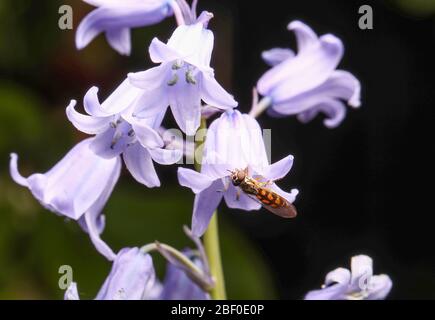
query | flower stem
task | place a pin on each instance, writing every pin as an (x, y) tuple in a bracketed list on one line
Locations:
[(177, 13), (212, 248), (211, 240), (259, 107)]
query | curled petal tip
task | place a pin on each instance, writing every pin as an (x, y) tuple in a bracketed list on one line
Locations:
[(332, 40), (205, 17), (295, 24), (13, 168)]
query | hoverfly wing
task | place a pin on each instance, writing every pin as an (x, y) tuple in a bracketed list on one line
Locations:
[(288, 211), (275, 203)]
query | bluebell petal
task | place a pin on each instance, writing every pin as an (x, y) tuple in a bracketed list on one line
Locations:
[(103, 144), (154, 99), (165, 156), (120, 40), (237, 199), (289, 196), (140, 164), (213, 94), (93, 220), (222, 146), (252, 143), (193, 180), (85, 123), (362, 270), (279, 169), (113, 16), (71, 293), (306, 38), (333, 292), (132, 272), (74, 184), (380, 286), (277, 55), (207, 111), (336, 286), (185, 103), (145, 134), (339, 275), (150, 79), (303, 72), (341, 85), (194, 44), (205, 204), (118, 101), (13, 169), (161, 52), (226, 147), (334, 110)]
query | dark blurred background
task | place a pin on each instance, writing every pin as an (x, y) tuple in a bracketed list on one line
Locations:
[(365, 187)]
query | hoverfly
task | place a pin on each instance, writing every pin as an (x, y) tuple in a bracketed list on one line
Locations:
[(257, 190)]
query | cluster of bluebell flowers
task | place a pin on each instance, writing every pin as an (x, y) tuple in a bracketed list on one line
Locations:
[(127, 128)]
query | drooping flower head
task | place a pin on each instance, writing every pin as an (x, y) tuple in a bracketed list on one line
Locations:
[(79, 185), (357, 284), (118, 132), (131, 278), (308, 83), (183, 78), (234, 141), (116, 17)]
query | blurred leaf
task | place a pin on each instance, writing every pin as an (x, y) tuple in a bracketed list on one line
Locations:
[(421, 8), (20, 111)]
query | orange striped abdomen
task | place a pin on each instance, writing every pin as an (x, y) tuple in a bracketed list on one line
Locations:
[(270, 198)]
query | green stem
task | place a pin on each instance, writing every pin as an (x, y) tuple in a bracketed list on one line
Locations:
[(212, 248), (211, 239)]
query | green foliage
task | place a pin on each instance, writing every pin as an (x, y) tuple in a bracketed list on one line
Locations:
[(420, 8)]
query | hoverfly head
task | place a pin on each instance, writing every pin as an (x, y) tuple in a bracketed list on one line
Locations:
[(237, 177)]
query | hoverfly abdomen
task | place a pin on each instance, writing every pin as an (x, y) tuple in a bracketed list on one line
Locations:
[(270, 198)]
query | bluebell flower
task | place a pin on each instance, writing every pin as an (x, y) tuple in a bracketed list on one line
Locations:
[(131, 278), (234, 141), (357, 284), (116, 17), (77, 187), (183, 78), (119, 132), (308, 83)]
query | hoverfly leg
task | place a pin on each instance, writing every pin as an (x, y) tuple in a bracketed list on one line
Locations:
[(238, 195), (226, 186)]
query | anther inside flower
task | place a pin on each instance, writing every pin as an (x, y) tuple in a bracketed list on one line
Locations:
[(179, 67)]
